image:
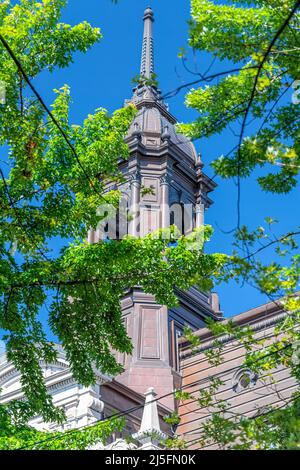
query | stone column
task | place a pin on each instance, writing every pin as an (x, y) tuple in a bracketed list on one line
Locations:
[(91, 236), (200, 208), (133, 226), (164, 201)]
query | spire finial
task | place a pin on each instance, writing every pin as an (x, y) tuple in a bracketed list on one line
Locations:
[(147, 63)]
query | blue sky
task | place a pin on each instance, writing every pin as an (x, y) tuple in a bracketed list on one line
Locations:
[(102, 78)]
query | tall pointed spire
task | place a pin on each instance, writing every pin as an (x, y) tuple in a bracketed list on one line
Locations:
[(147, 62)]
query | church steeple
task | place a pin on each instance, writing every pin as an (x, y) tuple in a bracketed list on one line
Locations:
[(154, 125), (164, 185), (147, 60)]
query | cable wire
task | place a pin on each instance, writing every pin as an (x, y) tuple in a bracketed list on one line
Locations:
[(136, 408), (48, 111)]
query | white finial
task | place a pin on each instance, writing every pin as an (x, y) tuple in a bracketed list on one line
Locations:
[(150, 434), (147, 63), (150, 415), (148, 12)]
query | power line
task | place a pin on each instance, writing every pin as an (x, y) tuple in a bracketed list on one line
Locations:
[(238, 346), (208, 78), (127, 412), (260, 67), (193, 398), (232, 369), (232, 337), (48, 111), (255, 416), (16, 210), (83, 428), (251, 414)]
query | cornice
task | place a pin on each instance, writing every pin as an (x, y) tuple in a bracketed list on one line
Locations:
[(188, 300), (209, 342), (13, 372), (150, 103), (182, 163)]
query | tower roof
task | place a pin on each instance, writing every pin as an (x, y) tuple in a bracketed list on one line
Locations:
[(153, 118)]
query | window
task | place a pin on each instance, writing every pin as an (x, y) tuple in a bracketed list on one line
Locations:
[(175, 331), (177, 217), (243, 379)]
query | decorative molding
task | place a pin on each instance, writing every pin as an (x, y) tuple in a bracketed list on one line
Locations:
[(260, 325), (135, 177), (243, 379), (4, 377), (152, 350), (165, 179), (150, 183)]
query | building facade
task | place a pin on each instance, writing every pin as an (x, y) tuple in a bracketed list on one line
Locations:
[(243, 392)]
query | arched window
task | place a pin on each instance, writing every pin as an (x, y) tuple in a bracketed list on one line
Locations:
[(181, 215), (177, 216)]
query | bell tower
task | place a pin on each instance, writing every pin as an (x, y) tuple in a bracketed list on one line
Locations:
[(165, 185)]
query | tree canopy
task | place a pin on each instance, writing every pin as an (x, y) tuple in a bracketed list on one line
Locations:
[(53, 179), (260, 42), (261, 39)]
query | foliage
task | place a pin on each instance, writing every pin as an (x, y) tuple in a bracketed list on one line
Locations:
[(14, 436), (274, 429), (141, 80), (242, 34), (263, 49), (268, 427), (54, 181)]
